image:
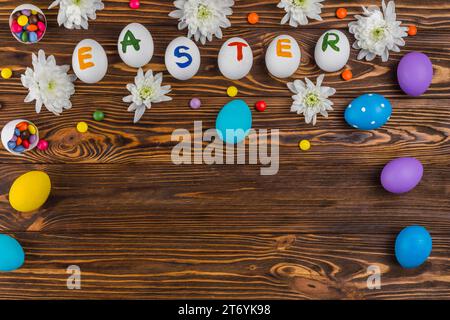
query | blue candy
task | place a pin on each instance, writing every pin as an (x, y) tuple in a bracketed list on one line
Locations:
[(368, 112), (32, 36), (11, 145), (11, 253), (413, 246), (17, 132), (234, 122), (19, 149)]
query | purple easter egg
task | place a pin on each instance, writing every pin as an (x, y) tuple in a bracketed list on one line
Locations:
[(401, 175), (415, 73)]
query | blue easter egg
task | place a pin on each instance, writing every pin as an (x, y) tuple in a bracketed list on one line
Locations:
[(234, 122), (11, 253), (368, 112), (413, 246)]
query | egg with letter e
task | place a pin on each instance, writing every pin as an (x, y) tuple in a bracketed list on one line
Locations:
[(135, 45), (235, 58), (401, 175), (413, 246), (182, 58), (283, 56), (89, 61), (415, 73), (30, 191), (12, 256), (368, 112), (234, 122), (332, 51)]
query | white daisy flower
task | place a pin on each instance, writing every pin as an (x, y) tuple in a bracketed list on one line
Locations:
[(378, 32), (203, 18), (311, 99), (49, 84), (298, 11), (74, 14), (146, 90)]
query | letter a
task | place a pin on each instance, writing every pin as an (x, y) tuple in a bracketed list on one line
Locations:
[(283, 47), (130, 40), (239, 45), (83, 55)]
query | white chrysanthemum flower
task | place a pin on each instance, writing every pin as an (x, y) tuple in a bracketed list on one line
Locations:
[(298, 11), (74, 14), (49, 84), (378, 32), (311, 99), (203, 18), (146, 90)]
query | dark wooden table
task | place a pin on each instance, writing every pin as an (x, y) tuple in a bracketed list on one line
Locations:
[(139, 226)]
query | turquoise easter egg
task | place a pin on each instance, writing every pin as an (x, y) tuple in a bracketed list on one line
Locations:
[(234, 122), (368, 112), (11, 253)]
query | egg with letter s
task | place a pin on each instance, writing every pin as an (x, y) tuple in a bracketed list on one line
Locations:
[(415, 73), (235, 58), (30, 191), (401, 175), (368, 112), (332, 51), (89, 61), (12, 256), (182, 58), (135, 45), (283, 56), (413, 246)]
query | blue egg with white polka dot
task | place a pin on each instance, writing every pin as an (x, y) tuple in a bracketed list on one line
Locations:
[(368, 112)]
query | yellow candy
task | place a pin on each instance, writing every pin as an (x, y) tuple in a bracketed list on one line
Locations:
[(34, 12), (30, 191), (6, 73), (82, 127), (232, 91), (31, 129), (304, 145), (22, 20)]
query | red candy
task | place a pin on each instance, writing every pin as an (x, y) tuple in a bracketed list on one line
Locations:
[(134, 4), (42, 145), (25, 144), (261, 106)]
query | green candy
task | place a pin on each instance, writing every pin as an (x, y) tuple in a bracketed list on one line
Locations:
[(98, 115), (24, 36)]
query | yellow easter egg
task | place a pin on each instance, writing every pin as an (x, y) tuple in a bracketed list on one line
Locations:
[(30, 191)]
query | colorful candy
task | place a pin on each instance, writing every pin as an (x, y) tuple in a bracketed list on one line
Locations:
[(28, 26), (347, 75), (304, 145), (261, 106), (341, 13), (134, 4), (253, 18), (42, 145), (232, 91), (98, 115), (195, 103), (412, 30), (24, 137), (6, 73), (82, 127)]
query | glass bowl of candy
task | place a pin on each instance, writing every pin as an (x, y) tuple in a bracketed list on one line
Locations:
[(28, 24), (20, 136)]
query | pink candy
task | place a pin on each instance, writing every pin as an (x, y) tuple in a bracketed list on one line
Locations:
[(41, 26), (134, 4), (15, 28), (42, 145)]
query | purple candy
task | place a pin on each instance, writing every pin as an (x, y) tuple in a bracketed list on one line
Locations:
[(415, 73), (32, 139), (401, 175), (195, 103)]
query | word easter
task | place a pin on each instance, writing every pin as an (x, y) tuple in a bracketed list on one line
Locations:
[(182, 57)]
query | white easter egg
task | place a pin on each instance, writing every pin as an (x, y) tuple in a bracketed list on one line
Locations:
[(89, 61), (135, 45), (332, 51), (283, 56), (182, 58), (235, 58)]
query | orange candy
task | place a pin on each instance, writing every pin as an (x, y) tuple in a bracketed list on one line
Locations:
[(347, 75), (253, 18), (22, 126), (341, 13), (32, 28), (412, 30), (18, 141)]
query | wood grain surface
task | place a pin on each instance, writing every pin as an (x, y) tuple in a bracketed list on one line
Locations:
[(140, 227)]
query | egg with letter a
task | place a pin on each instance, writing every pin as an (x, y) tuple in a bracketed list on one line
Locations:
[(283, 56), (89, 61), (235, 58), (368, 112), (30, 191), (135, 45), (182, 58), (332, 51), (415, 73)]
